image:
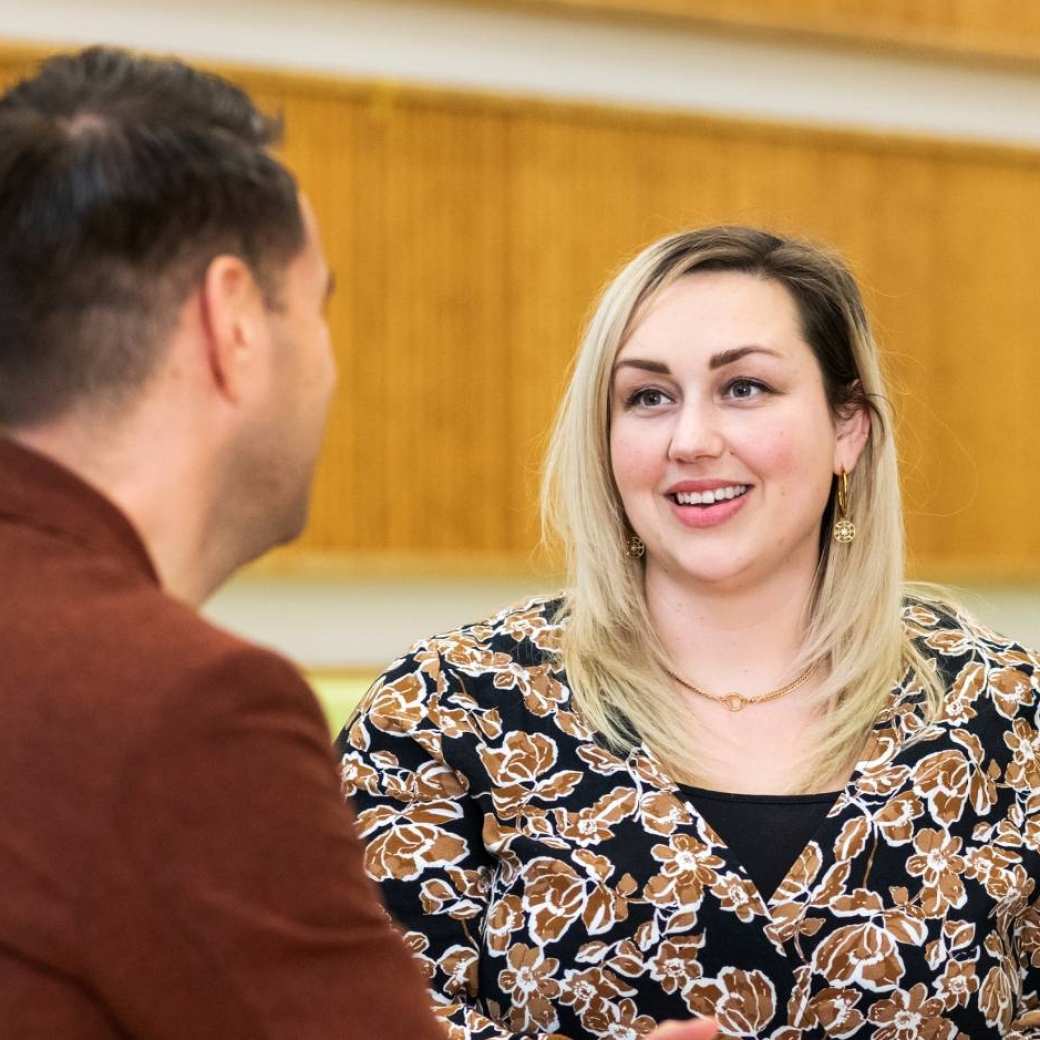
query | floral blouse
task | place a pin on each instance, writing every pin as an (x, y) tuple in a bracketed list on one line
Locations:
[(550, 888)]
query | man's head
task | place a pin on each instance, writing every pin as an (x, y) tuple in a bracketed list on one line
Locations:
[(274, 364), (150, 242), (121, 177)]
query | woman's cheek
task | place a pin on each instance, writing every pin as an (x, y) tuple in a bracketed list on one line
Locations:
[(636, 461), (771, 453)]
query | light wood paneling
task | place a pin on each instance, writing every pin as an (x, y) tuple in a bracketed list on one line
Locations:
[(1002, 30), (470, 234)]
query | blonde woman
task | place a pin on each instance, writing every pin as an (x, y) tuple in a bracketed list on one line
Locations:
[(737, 769)]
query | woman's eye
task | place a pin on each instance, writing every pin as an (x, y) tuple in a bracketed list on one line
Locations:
[(648, 397), (745, 389)]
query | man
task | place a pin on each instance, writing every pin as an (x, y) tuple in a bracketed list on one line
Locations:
[(175, 859)]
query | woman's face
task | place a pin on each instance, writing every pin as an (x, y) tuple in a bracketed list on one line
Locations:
[(722, 443)]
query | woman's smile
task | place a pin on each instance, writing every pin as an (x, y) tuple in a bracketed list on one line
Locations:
[(706, 503)]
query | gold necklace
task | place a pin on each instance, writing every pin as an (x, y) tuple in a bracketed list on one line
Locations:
[(737, 701)]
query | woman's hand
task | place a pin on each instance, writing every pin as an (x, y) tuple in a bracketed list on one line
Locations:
[(693, 1029)]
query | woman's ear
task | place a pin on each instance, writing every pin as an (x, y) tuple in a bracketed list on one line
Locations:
[(851, 431), (234, 320)]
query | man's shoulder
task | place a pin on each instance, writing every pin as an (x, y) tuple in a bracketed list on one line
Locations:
[(114, 691), (103, 650)]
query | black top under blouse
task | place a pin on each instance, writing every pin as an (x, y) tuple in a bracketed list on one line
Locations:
[(765, 832)]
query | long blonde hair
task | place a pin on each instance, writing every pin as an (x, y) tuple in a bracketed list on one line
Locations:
[(854, 634)]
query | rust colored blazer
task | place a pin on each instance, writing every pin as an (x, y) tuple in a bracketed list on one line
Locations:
[(175, 858)]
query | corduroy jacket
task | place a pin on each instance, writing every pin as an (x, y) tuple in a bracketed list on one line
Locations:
[(175, 860)]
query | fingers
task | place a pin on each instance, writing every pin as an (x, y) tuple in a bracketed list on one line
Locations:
[(695, 1029)]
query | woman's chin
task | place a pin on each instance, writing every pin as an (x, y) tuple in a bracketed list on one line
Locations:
[(720, 572)]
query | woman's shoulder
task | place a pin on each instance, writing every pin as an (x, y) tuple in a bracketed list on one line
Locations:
[(525, 633), (477, 677), (974, 660), (516, 646), (944, 626)]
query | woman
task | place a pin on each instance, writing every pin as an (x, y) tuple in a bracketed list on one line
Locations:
[(736, 769)]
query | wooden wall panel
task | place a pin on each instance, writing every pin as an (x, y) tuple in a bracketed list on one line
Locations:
[(990, 29), (421, 267), (470, 235)]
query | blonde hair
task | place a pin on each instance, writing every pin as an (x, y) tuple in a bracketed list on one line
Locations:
[(615, 665)]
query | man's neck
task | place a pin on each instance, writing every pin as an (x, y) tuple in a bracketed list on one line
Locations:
[(158, 489)]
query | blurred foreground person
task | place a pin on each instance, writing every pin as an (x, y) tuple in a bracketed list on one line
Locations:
[(175, 860), (738, 767)]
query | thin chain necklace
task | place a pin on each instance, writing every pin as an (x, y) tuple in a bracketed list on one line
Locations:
[(737, 701)]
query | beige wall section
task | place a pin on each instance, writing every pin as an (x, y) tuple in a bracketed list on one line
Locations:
[(527, 51), (995, 29), (355, 628), (470, 234)]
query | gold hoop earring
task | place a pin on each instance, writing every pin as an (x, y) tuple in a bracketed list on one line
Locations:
[(635, 548), (844, 528)]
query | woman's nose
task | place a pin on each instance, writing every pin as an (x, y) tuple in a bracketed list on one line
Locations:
[(696, 434)]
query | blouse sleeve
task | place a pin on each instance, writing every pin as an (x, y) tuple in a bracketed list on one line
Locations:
[(1024, 936), (409, 760)]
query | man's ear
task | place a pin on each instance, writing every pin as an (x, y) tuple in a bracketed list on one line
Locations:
[(852, 429), (233, 317)]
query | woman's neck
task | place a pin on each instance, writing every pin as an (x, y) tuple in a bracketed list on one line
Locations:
[(731, 638)]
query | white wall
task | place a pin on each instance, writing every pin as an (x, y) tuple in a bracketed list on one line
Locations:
[(365, 622), (358, 623), (457, 44)]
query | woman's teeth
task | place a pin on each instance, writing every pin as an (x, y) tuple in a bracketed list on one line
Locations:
[(708, 498)]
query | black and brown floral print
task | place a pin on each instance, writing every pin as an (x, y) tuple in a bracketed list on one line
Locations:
[(551, 888)]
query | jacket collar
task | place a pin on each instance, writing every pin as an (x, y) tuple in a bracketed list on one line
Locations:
[(41, 493)]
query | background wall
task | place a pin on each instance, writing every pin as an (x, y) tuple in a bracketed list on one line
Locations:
[(989, 30), (480, 169)]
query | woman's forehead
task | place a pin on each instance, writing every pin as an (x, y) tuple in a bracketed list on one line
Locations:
[(715, 311)]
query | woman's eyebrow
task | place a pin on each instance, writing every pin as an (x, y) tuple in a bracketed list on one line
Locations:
[(644, 365), (727, 357)]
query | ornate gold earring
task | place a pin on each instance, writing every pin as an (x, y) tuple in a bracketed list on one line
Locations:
[(634, 547), (844, 528)]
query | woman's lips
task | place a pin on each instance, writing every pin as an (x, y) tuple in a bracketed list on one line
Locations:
[(708, 515)]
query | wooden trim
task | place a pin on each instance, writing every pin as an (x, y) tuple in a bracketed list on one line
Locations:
[(425, 566), (973, 571), (336, 565)]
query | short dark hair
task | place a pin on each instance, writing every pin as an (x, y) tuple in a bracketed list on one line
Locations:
[(121, 177)]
